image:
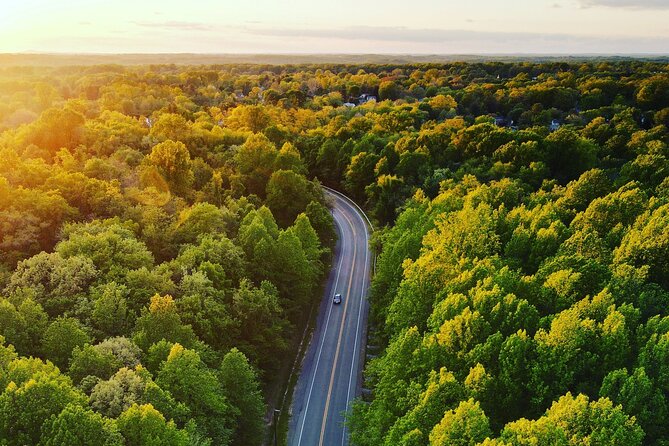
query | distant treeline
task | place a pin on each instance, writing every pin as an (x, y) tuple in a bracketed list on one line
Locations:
[(364, 60)]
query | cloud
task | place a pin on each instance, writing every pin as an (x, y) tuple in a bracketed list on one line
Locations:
[(425, 35), (444, 41), (630, 4), (257, 37), (384, 33), (174, 25)]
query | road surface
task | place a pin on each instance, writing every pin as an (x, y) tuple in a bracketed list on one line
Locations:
[(330, 377)]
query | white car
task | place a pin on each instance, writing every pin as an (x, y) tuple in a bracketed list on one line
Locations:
[(336, 299)]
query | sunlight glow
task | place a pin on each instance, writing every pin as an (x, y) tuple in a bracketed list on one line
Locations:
[(303, 26)]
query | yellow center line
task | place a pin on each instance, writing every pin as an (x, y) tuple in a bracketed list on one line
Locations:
[(341, 331)]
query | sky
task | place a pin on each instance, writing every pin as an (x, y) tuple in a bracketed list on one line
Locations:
[(336, 26)]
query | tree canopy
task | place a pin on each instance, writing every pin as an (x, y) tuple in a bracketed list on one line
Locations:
[(163, 234)]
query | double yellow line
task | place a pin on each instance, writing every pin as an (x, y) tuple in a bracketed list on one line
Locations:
[(341, 330)]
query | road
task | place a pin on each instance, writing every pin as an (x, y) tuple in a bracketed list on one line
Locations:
[(331, 375)]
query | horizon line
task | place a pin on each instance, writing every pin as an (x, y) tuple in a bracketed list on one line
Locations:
[(288, 53)]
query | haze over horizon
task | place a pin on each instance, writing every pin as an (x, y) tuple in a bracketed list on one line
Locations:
[(301, 26)]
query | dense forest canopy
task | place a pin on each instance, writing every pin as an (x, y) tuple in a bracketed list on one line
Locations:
[(163, 232), (155, 263)]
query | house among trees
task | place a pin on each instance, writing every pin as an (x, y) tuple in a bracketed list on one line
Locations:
[(555, 124), (501, 121), (364, 98)]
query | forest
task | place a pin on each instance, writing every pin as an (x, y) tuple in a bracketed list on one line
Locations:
[(163, 233), (155, 265)]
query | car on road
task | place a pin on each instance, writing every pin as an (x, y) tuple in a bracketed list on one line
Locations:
[(336, 299)]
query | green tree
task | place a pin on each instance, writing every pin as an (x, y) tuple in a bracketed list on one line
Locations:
[(288, 194), (27, 404), (250, 117), (289, 158), (392, 374), (111, 245), (201, 306), (291, 272), (162, 321), (134, 386), (171, 126), (218, 257), (309, 241), (262, 328), (53, 281), (23, 326), (199, 220), (61, 337), (583, 344), (123, 349), (516, 358), (652, 92), (91, 361), (110, 309), (240, 386), (321, 220), (647, 243), (77, 426), (569, 155), (579, 193), (172, 160), (189, 380), (255, 160), (639, 397), (145, 426), (581, 421), (55, 129), (144, 283), (463, 426), (441, 391), (387, 194), (389, 90), (360, 173)]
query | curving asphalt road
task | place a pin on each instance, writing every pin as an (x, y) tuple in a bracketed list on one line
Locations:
[(331, 373)]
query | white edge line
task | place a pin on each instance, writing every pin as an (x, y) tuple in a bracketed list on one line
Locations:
[(320, 350), (349, 201), (357, 329), (354, 205)]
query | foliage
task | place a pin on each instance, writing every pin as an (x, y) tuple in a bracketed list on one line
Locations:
[(163, 233), (240, 386)]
